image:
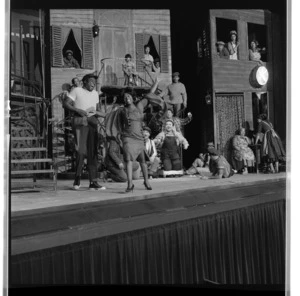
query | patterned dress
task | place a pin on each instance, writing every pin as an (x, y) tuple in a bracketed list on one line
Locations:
[(242, 155)]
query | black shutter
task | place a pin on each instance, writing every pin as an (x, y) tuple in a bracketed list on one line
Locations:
[(87, 49), (56, 49), (139, 51), (164, 57)]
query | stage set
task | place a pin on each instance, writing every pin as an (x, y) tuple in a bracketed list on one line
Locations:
[(185, 231)]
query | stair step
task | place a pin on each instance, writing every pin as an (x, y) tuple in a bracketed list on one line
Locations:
[(22, 117), (28, 149), (32, 172), (31, 160), (26, 138), (28, 127)]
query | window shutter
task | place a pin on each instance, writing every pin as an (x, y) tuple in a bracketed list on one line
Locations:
[(87, 49), (164, 57), (139, 51), (56, 49)]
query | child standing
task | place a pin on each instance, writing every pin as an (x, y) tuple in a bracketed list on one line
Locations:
[(130, 74)]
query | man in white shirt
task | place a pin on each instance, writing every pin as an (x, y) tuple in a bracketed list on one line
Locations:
[(84, 102), (151, 152)]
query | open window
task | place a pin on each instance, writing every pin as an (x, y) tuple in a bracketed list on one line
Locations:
[(79, 40), (258, 33), (224, 27), (158, 49)]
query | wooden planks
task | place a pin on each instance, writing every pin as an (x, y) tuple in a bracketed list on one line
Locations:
[(233, 75)]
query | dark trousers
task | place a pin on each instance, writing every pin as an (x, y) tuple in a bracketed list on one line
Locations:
[(86, 138), (175, 107)]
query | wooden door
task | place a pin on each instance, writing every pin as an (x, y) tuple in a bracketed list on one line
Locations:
[(113, 47)]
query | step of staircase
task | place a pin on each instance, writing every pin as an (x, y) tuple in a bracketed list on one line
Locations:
[(27, 172), (49, 160), (26, 138), (28, 149)]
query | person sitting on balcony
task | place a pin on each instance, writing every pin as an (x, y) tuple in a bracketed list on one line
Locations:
[(233, 46), (130, 74), (169, 140), (114, 162), (175, 94), (223, 52), (153, 162), (255, 52), (156, 67), (219, 166), (70, 61), (178, 122)]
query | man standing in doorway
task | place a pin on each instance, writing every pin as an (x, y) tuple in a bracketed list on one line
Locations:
[(175, 95), (84, 102)]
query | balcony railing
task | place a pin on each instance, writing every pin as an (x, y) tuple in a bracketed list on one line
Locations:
[(111, 74)]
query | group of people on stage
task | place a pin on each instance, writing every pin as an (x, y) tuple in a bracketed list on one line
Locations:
[(132, 150), (230, 49)]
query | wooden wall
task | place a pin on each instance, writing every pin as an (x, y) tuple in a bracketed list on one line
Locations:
[(79, 18), (233, 76)]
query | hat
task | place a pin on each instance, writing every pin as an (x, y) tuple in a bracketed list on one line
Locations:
[(175, 74), (87, 76), (69, 51), (213, 151), (220, 43), (146, 128), (233, 32), (211, 144)]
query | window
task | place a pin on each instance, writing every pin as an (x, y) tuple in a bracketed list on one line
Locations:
[(258, 33), (79, 39), (224, 27), (158, 49)]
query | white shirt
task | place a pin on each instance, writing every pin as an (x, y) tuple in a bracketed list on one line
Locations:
[(84, 99)]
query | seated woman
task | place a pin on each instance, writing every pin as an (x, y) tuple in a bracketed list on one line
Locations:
[(169, 140), (115, 163), (255, 52), (153, 162), (242, 156), (196, 166), (219, 166)]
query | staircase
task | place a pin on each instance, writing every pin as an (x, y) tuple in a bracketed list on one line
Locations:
[(31, 169)]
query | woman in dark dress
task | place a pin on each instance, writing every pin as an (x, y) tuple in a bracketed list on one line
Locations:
[(132, 132), (271, 149)]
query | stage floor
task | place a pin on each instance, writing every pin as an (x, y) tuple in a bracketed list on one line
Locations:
[(25, 202)]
